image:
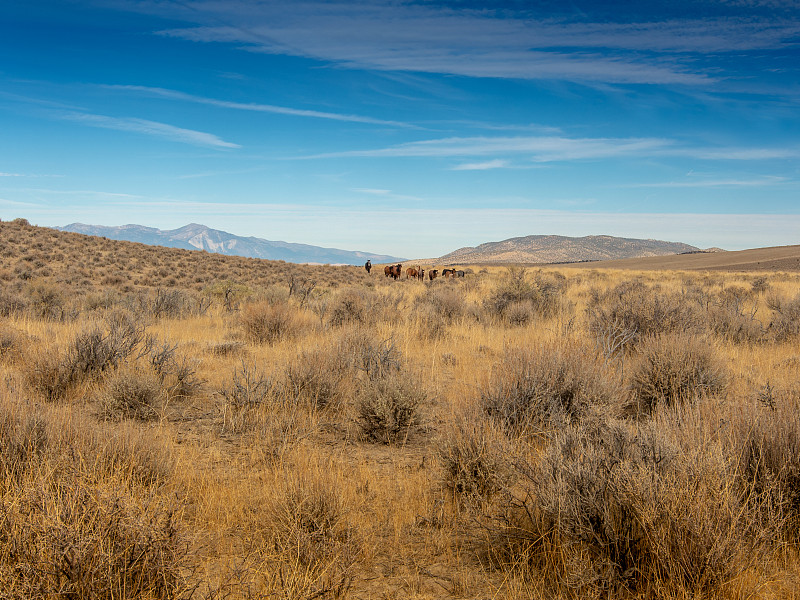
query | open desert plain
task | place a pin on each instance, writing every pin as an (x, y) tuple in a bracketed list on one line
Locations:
[(180, 424)]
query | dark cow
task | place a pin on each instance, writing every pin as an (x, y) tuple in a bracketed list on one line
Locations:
[(421, 275), (393, 271), (460, 273), (368, 266), (433, 274), (448, 272)]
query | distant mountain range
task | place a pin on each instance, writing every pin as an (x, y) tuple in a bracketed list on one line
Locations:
[(200, 237), (561, 249)]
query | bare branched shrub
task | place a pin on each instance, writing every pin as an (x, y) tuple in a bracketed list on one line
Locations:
[(676, 368), (247, 392), (785, 324), (318, 378), (760, 284), (636, 311), (615, 508), (98, 349), (732, 315), (170, 304), (542, 293), (301, 287), (46, 301), (389, 408), (265, 323), (367, 353), (12, 303), (131, 395), (546, 387)]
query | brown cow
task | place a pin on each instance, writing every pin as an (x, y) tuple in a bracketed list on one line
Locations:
[(412, 272), (433, 274), (448, 272)]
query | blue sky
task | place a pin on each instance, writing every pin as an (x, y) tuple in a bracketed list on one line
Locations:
[(406, 127)]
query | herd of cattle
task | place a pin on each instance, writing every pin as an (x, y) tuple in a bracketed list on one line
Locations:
[(396, 271)]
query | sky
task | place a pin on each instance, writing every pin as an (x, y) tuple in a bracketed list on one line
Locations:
[(410, 128)]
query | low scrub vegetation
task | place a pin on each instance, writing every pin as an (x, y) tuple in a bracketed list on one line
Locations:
[(297, 431)]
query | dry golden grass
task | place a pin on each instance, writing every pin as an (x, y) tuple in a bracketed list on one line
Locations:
[(314, 432)]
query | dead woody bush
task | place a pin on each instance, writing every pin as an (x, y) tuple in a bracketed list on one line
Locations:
[(546, 387), (676, 368)]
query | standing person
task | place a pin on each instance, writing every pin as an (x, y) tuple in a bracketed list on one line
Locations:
[(368, 266)]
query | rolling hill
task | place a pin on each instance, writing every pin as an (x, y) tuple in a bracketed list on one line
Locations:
[(561, 249)]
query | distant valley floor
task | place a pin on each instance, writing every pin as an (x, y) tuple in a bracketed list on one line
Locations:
[(778, 258)]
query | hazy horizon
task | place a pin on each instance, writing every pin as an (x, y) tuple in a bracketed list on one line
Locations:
[(407, 128)]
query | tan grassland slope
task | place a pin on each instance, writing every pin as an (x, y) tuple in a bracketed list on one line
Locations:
[(184, 425), (777, 258), (561, 249)]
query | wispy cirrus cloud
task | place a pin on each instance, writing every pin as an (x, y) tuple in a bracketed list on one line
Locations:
[(658, 46), (256, 107), (483, 166), (145, 127), (387, 194), (536, 148), (544, 149), (755, 182)]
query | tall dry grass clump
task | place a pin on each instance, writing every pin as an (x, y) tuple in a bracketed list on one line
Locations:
[(476, 458), (268, 323), (310, 549), (84, 512), (766, 439)]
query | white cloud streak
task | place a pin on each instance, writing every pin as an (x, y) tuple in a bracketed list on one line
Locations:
[(256, 107), (757, 182), (543, 149), (483, 166), (538, 149), (146, 127)]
